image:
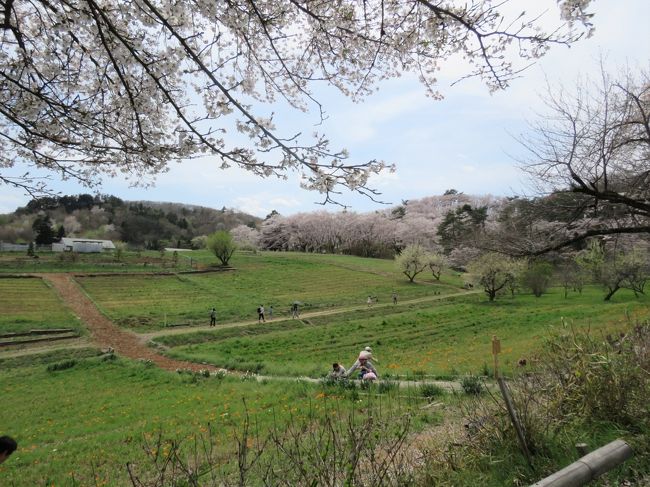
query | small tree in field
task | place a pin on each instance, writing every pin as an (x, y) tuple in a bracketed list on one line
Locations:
[(222, 245), (437, 263), (571, 276), (119, 250), (412, 261), (537, 277), (494, 272)]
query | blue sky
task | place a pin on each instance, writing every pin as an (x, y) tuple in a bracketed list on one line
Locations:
[(465, 141)]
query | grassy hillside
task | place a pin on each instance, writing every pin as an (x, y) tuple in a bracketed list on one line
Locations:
[(440, 338), (273, 279), (84, 423)]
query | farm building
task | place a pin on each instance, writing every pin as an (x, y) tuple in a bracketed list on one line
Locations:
[(8, 247), (82, 245)]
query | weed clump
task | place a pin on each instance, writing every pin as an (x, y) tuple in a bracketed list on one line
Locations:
[(585, 387), (471, 385), (431, 391), (64, 364)]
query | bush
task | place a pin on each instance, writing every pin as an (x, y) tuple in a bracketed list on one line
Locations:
[(605, 378), (339, 448), (585, 387), (471, 385), (537, 277), (431, 391)]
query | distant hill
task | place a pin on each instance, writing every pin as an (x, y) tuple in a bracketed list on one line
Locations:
[(145, 224)]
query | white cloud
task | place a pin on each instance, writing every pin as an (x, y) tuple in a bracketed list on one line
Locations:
[(10, 199), (261, 204)]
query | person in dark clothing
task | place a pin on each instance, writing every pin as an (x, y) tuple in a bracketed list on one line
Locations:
[(7, 446), (260, 314)]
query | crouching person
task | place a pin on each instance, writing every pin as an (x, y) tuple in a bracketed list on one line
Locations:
[(367, 371), (338, 371)]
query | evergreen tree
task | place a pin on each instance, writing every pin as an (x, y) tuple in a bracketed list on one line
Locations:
[(45, 234)]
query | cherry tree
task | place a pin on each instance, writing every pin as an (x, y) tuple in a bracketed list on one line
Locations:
[(437, 263), (495, 273), (93, 88), (592, 152), (412, 261), (245, 237)]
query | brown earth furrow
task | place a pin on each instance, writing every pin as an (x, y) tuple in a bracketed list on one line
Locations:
[(104, 332)]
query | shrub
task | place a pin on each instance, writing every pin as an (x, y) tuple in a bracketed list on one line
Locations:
[(431, 391), (471, 384), (585, 387), (340, 448), (537, 277)]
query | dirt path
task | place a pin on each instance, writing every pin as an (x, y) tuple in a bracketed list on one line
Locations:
[(106, 334), (146, 337)]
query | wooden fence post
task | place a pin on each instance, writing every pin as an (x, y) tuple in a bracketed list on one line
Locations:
[(496, 350), (515, 421)]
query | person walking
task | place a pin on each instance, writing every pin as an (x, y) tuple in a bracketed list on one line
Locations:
[(295, 313), (394, 296), (260, 314), (213, 317)]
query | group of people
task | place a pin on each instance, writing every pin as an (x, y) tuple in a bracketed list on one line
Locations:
[(373, 299), (363, 364), (261, 314), (295, 310)]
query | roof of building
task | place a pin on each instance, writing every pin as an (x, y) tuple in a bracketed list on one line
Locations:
[(69, 241)]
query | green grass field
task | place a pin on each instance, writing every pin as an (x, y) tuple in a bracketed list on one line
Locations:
[(85, 422), (79, 426), (272, 279), (146, 261), (441, 338), (30, 304)]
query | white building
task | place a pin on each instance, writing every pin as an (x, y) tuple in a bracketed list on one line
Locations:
[(82, 245)]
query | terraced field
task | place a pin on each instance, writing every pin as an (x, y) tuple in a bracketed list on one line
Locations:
[(29, 304), (145, 302)]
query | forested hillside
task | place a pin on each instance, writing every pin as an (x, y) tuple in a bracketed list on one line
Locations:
[(138, 223)]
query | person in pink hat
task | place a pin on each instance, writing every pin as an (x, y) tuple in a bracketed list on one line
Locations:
[(367, 371)]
